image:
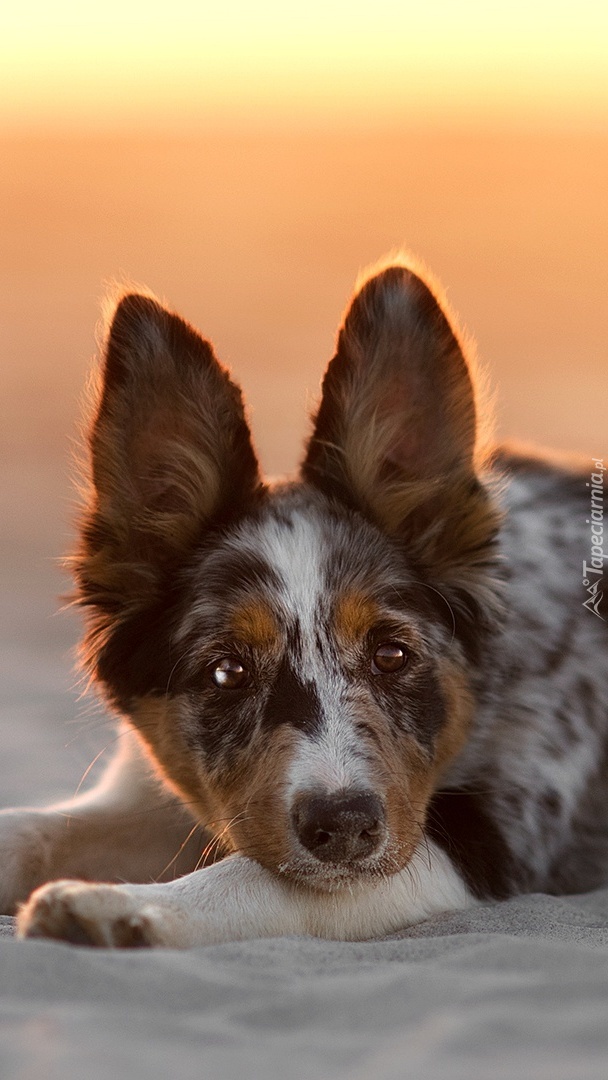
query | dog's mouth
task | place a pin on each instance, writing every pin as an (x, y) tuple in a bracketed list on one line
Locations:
[(331, 877), (338, 840)]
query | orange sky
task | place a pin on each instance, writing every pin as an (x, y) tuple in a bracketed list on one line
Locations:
[(124, 62)]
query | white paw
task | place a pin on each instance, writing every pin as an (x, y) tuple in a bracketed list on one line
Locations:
[(102, 915)]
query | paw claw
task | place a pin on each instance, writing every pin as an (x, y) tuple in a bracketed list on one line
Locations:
[(133, 933)]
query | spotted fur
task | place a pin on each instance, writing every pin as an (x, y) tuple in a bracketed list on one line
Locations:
[(382, 665)]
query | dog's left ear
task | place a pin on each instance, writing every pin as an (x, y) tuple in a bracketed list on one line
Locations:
[(395, 434)]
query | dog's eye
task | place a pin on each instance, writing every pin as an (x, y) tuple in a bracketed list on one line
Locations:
[(390, 656), (230, 674)]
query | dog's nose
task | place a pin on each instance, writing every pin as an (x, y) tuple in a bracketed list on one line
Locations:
[(339, 828)]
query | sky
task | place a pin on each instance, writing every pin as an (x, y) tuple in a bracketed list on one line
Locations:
[(123, 63)]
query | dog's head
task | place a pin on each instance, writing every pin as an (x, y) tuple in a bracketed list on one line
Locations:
[(299, 659)]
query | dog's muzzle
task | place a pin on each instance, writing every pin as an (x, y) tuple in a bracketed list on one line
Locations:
[(340, 828)]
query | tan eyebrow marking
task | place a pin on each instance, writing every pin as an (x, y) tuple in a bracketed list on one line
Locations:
[(255, 623), (354, 615)]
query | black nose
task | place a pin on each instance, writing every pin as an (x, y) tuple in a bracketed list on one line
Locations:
[(339, 828)]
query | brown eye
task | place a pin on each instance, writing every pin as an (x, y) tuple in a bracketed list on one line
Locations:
[(229, 674), (390, 656)]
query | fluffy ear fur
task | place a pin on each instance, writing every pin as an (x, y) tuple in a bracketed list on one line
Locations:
[(170, 453), (395, 434)]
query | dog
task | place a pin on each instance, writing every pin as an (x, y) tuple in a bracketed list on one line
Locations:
[(347, 702)]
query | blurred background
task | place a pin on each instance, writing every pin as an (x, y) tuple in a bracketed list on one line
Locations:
[(244, 162)]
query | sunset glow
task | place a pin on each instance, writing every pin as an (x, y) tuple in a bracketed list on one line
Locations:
[(115, 64)]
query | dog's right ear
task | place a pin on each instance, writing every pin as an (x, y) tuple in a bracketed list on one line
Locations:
[(170, 450)]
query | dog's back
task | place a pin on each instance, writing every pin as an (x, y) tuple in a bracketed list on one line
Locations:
[(537, 756)]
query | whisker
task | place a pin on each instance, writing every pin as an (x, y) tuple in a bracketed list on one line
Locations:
[(216, 840), (178, 852), (426, 585), (90, 766), (179, 661)]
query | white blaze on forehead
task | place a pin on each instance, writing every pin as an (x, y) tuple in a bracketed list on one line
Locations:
[(293, 548), (329, 759)]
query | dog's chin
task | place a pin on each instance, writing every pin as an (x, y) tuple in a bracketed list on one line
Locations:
[(311, 873)]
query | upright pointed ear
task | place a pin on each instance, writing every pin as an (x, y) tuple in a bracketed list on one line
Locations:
[(395, 434), (170, 453)]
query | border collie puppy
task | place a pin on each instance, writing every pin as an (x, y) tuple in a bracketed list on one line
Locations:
[(379, 691)]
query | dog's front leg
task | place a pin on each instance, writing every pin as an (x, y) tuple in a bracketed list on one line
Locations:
[(129, 827), (238, 899)]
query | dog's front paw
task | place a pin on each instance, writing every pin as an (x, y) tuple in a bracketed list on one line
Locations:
[(102, 915)]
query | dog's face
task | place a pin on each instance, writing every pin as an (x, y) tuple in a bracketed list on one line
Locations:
[(316, 692), (298, 659)]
